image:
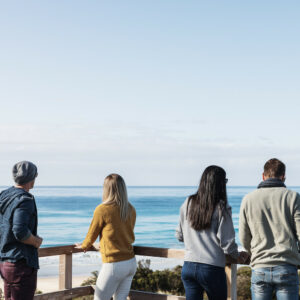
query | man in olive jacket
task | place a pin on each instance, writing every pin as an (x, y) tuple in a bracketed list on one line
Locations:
[(18, 235), (269, 230)]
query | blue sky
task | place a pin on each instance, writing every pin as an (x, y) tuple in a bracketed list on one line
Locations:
[(153, 90)]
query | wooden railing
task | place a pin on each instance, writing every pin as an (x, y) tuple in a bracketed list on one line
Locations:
[(65, 274)]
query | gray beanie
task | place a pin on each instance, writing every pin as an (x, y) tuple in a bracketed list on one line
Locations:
[(24, 172)]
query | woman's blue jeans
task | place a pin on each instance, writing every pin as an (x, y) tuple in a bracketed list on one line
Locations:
[(198, 278), (282, 279)]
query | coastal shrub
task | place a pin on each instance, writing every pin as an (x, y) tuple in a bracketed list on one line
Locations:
[(91, 280), (244, 283), (166, 281), (143, 279)]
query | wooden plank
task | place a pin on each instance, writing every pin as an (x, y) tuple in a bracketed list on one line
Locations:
[(147, 251), (159, 252), (66, 294), (51, 251), (88, 290), (68, 249), (139, 250), (141, 295), (231, 276), (65, 271)]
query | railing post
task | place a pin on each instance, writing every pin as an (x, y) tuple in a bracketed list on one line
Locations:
[(65, 271), (231, 275)]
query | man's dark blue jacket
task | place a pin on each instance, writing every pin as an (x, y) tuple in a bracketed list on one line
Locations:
[(18, 220)]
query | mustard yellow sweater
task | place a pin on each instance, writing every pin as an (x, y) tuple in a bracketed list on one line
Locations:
[(116, 236)]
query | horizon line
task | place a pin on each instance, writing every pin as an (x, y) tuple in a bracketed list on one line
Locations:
[(90, 186)]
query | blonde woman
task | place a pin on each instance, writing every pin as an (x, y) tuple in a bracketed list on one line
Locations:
[(114, 222)]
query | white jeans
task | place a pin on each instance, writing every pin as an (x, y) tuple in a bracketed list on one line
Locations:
[(115, 279)]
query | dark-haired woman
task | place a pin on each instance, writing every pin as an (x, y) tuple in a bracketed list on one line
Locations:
[(207, 231)]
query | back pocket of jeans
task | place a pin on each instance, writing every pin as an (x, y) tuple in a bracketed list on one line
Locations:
[(288, 277), (258, 277)]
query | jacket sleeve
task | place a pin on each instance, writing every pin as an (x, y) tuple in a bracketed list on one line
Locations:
[(94, 230), (244, 230), (21, 218), (226, 234)]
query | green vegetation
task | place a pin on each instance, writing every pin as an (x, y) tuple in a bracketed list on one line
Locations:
[(166, 281), (91, 280), (244, 283), (37, 292)]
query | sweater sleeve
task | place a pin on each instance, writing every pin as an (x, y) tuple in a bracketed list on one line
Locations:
[(297, 217), (226, 234), (244, 230), (94, 230), (179, 232)]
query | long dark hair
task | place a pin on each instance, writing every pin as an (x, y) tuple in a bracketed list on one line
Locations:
[(211, 192)]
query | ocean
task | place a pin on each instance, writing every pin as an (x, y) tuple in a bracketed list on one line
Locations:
[(65, 212)]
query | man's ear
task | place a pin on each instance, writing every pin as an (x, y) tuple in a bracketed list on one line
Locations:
[(263, 177)]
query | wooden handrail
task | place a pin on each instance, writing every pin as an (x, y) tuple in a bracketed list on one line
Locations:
[(65, 273), (138, 250)]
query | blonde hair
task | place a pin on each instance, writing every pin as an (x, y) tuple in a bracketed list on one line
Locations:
[(115, 192)]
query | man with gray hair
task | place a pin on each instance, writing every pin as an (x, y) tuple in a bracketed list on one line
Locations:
[(19, 241)]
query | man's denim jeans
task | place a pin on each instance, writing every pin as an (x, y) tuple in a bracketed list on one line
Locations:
[(283, 280), (198, 278)]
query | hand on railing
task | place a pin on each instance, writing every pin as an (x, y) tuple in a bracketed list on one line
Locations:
[(94, 247), (79, 246), (244, 258)]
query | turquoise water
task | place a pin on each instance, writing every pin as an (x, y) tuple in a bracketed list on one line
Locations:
[(65, 212)]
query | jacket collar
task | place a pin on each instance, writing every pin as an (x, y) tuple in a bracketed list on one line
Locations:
[(270, 183)]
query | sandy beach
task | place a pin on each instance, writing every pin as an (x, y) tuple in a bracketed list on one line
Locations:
[(50, 284)]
